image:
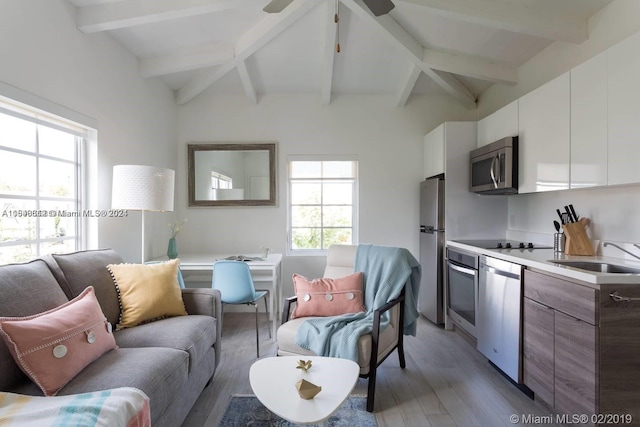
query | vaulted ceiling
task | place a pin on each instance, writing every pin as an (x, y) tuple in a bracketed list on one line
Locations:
[(459, 47)]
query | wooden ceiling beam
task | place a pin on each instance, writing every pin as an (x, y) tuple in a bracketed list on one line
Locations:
[(511, 16), (412, 50), (187, 59), (128, 13), (268, 28)]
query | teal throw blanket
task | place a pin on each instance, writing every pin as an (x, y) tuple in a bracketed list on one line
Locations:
[(386, 271)]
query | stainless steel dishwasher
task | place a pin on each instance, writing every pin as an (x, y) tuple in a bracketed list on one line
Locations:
[(499, 315)]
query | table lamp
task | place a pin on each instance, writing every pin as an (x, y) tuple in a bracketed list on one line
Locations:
[(142, 188)]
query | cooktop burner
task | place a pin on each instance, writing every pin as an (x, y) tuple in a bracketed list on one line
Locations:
[(502, 244)]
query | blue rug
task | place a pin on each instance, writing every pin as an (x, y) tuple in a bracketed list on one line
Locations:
[(248, 411)]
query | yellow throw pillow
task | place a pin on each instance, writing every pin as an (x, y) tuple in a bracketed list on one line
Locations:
[(147, 292)]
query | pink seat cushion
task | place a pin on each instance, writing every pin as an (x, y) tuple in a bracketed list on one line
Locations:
[(328, 297), (54, 346)]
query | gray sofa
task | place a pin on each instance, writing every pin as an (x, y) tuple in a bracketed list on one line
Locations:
[(171, 360)]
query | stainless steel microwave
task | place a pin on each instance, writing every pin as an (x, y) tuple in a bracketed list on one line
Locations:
[(494, 167)]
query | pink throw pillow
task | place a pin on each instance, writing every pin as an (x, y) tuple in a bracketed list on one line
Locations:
[(328, 297), (54, 346)]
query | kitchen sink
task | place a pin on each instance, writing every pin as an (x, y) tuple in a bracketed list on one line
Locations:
[(600, 267)]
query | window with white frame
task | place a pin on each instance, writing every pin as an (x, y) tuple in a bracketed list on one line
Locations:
[(220, 181), (40, 184), (322, 203)]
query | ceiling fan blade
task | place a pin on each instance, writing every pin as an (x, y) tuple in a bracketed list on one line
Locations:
[(277, 6), (379, 7)]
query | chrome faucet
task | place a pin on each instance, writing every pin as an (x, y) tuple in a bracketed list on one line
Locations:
[(605, 244)]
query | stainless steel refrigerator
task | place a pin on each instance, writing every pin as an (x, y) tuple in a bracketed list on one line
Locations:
[(430, 299)]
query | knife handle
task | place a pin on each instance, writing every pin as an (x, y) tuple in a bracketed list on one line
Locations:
[(566, 209), (573, 212)]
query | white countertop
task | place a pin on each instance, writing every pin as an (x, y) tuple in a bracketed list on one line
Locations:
[(542, 259)]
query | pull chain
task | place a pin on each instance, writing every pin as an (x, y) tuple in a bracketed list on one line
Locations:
[(336, 19)]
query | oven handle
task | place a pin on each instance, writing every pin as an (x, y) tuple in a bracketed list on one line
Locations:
[(462, 269), (500, 272)]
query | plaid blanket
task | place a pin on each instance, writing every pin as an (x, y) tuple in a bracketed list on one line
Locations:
[(119, 407)]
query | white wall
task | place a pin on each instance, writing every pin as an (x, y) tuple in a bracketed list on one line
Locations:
[(388, 142), (613, 210), (43, 53)]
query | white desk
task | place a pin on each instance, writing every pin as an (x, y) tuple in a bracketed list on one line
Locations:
[(265, 274), (273, 381)]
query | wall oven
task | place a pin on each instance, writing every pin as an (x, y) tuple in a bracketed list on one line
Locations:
[(494, 167), (462, 289)]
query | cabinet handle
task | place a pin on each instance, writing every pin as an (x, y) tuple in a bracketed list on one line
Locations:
[(618, 298), (493, 174)]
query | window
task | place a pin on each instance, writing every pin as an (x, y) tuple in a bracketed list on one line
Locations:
[(220, 181), (40, 184), (322, 204)]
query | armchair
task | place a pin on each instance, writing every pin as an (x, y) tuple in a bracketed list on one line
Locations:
[(373, 348)]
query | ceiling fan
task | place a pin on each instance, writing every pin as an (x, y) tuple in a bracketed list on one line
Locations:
[(378, 7)]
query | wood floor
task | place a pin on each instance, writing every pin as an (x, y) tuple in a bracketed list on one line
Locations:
[(446, 381)]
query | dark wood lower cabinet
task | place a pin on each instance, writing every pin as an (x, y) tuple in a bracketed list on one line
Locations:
[(538, 366), (581, 348), (576, 344)]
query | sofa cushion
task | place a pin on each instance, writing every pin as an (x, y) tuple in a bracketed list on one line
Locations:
[(52, 347), (147, 292), (194, 334), (75, 271), (25, 289), (328, 297), (161, 373), (287, 343)]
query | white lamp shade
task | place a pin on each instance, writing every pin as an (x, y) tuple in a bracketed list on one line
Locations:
[(144, 188)]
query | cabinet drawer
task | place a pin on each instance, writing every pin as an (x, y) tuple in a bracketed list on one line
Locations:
[(567, 297)]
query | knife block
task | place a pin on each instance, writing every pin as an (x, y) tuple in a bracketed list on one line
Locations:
[(577, 242)]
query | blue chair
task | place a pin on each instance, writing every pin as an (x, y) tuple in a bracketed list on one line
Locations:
[(180, 278), (233, 280)]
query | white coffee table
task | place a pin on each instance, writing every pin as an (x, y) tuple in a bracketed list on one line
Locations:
[(274, 379)]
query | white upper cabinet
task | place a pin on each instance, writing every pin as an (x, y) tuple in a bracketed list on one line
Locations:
[(500, 124), (624, 111), (544, 137), (434, 154), (589, 123)]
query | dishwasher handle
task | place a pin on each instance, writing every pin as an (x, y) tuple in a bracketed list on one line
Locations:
[(463, 270), (500, 272)]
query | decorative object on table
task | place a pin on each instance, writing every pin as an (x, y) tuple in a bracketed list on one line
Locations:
[(247, 410), (307, 390), (305, 365), (264, 251), (172, 250), (142, 188)]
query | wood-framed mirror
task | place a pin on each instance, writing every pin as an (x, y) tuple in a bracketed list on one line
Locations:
[(232, 174)]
